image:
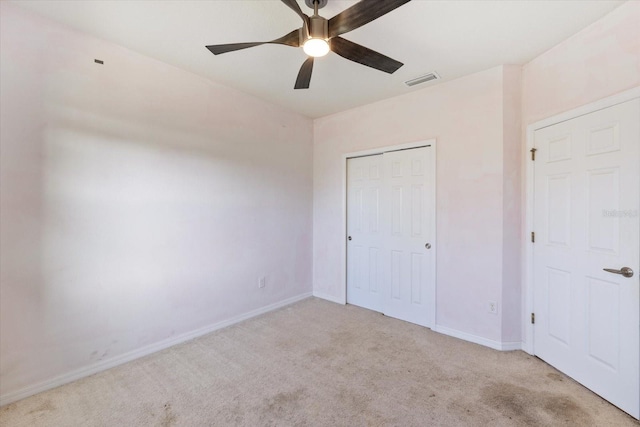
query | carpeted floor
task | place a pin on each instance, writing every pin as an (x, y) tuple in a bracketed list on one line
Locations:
[(316, 363)]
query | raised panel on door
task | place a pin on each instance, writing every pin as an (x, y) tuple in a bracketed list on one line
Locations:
[(586, 205), (411, 192), (364, 227)]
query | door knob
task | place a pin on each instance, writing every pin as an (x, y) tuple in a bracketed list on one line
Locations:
[(428, 246), (349, 237), (625, 271)]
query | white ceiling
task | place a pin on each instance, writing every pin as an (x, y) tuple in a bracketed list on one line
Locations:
[(453, 38)]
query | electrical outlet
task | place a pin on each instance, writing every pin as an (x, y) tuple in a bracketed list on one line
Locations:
[(493, 307), (262, 281)]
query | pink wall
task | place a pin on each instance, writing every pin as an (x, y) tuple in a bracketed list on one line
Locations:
[(466, 118), (478, 121), (601, 60), (139, 202), (511, 238)]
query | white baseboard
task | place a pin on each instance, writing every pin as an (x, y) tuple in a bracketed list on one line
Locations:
[(496, 345), (141, 352), (510, 346), (328, 297)]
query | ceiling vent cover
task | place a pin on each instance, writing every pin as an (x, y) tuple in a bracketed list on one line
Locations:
[(422, 79)]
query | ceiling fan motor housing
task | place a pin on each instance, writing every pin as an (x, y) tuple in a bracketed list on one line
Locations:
[(318, 29)]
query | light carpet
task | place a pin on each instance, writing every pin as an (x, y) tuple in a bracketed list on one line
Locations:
[(317, 363)]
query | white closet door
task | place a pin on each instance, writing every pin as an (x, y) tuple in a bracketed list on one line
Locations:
[(391, 234), (365, 237), (410, 244), (587, 200)]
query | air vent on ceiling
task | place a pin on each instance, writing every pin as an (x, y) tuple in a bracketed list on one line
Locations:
[(422, 79)]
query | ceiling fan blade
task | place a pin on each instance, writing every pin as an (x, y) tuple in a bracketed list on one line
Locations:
[(293, 4), (304, 75), (217, 49), (365, 56), (291, 39), (361, 13)]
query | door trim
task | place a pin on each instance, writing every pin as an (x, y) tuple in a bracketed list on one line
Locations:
[(528, 343), (343, 256)]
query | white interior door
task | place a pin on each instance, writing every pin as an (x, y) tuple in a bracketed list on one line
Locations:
[(410, 216), (391, 234), (586, 219), (365, 239)]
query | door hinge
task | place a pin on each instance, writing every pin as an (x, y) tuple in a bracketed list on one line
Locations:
[(533, 318), (533, 237), (533, 153)]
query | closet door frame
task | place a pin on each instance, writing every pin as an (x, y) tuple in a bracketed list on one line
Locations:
[(343, 256)]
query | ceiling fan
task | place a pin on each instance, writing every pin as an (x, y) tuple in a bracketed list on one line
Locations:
[(318, 36)]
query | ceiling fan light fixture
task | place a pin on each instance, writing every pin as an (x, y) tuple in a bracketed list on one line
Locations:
[(316, 47), (316, 40)]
